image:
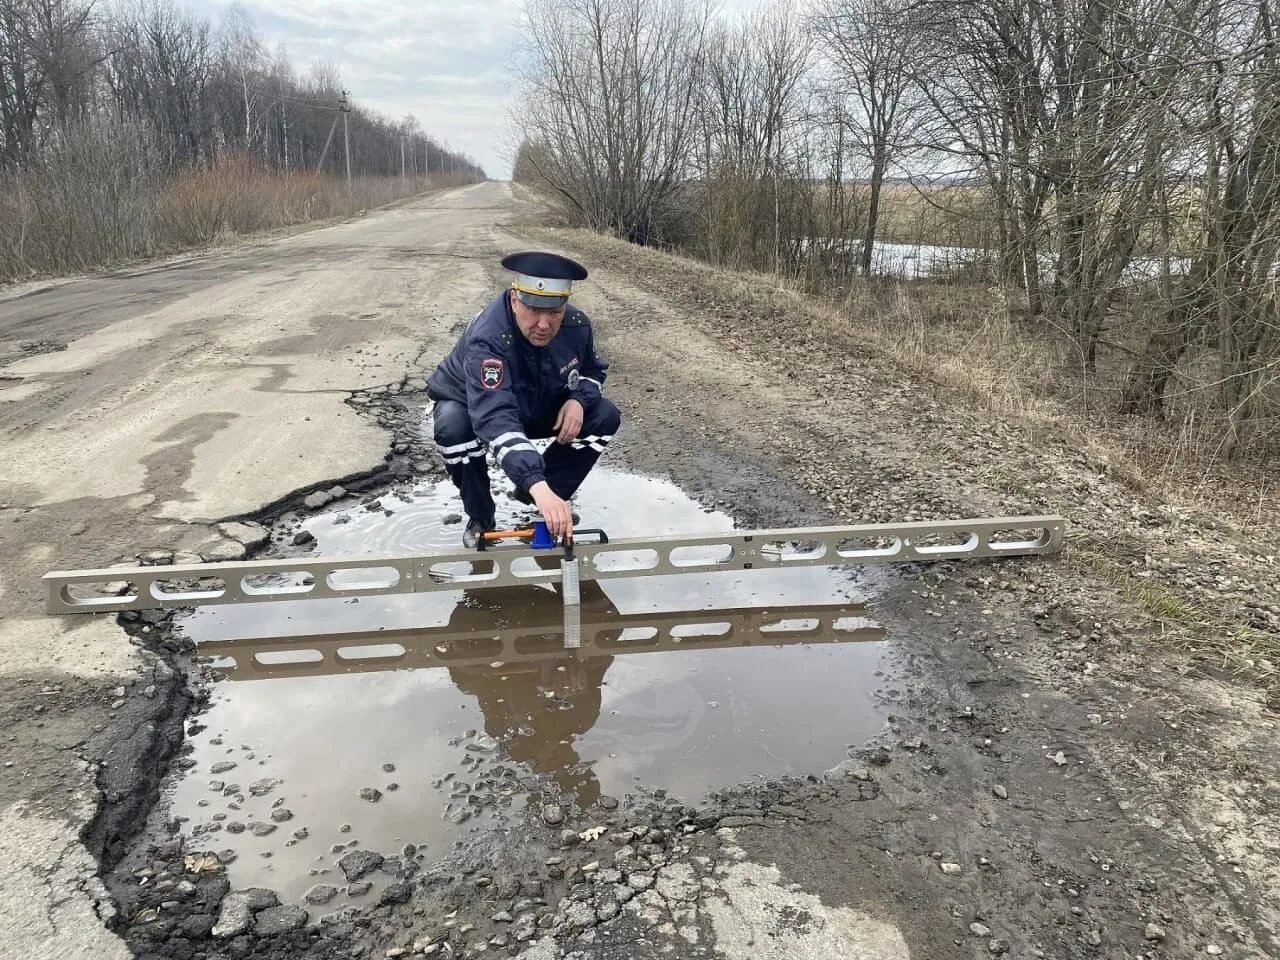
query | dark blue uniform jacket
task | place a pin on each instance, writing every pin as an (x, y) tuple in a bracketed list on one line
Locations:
[(512, 388)]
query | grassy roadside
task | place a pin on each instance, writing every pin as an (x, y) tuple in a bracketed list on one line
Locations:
[(1189, 543), (51, 229)]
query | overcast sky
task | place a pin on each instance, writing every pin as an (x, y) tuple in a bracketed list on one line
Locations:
[(445, 61), (448, 62)]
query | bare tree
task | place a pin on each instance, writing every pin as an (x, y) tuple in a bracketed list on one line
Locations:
[(47, 56), (610, 96), (873, 45), (751, 107), (1227, 299), (22, 82), (243, 59)]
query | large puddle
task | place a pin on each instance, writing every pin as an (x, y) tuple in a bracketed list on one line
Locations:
[(418, 719)]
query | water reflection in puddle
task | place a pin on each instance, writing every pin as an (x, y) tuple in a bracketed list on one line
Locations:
[(443, 702)]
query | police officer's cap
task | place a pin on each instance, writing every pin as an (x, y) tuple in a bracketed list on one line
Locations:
[(543, 280)]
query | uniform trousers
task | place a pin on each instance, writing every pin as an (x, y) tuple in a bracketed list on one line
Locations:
[(566, 464)]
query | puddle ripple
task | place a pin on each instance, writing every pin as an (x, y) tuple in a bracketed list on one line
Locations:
[(437, 706)]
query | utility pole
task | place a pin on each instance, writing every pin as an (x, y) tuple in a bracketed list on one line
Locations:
[(345, 105)]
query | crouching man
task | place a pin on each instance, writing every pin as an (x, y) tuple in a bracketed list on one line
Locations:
[(525, 368)]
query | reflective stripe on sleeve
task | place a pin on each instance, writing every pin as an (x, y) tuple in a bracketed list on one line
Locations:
[(526, 445), (508, 438), (459, 447), (464, 457)]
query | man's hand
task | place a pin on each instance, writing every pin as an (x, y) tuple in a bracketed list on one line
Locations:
[(554, 510), (568, 421)]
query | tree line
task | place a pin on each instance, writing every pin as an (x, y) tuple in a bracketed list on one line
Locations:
[(1114, 167), (135, 129), (195, 90)]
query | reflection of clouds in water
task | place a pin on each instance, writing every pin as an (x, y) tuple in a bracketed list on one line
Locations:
[(325, 738), (341, 699), (652, 718), (788, 710), (300, 617), (777, 710)]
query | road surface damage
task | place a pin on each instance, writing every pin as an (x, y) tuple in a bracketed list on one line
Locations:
[(1041, 778)]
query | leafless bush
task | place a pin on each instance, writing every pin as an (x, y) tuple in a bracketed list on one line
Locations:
[(89, 201), (609, 100), (99, 203)]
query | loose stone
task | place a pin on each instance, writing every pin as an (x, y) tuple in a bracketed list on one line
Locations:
[(260, 788), (357, 863), (398, 892), (552, 814), (276, 920), (525, 927), (320, 893)]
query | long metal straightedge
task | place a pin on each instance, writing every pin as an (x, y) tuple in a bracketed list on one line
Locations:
[(252, 581)]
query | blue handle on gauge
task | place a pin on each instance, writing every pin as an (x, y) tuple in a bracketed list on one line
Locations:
[(542, 538)]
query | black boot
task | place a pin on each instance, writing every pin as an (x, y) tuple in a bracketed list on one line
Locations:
[(471, 535)]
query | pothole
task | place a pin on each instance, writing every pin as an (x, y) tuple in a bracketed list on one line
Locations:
[(411, 724)]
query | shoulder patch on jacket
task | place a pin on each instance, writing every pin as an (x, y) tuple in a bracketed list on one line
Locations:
[(491, 372), (573, 317)]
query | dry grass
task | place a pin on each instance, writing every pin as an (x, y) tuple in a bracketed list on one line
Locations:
[(972, 339), (967, 340), (1193, 627), (239, 196), (96, 210)]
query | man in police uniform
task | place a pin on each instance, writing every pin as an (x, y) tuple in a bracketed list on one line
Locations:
[(525, 368)]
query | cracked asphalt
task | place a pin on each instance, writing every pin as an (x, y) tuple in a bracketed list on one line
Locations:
[(1054, 780), (146, 404)]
